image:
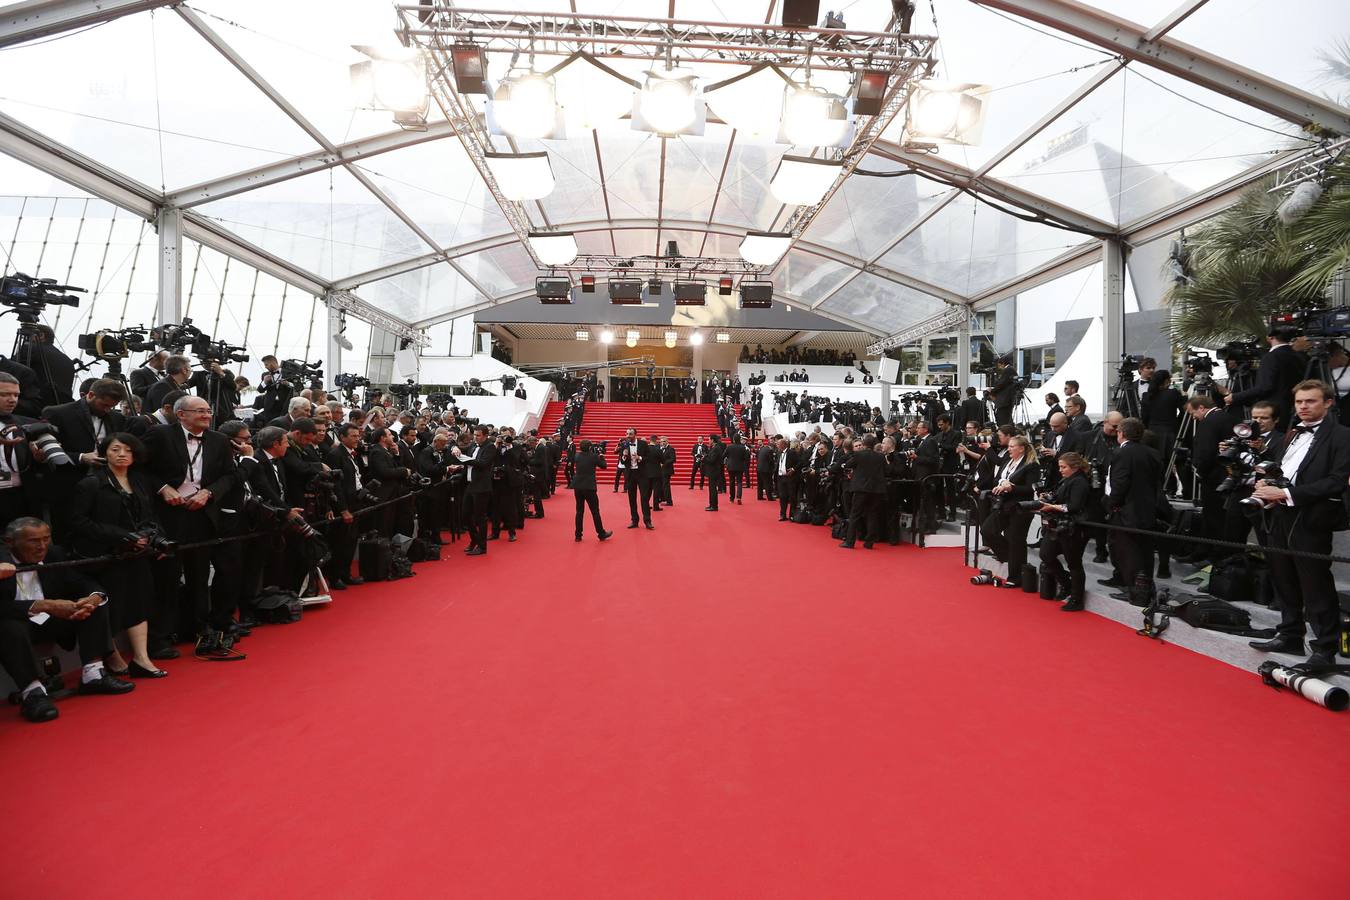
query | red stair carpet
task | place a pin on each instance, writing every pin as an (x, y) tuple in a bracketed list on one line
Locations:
[(725, 706), (682, 423)]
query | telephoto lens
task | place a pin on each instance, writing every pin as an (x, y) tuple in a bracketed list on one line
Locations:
[(985, 577)]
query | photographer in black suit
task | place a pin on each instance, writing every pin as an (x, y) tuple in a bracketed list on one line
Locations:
[(1005, 530), (585, 491), (144, 376), (1280, 370), (764, 475), (787, 464), (346, 458), (973, 409), (1132, 491), (867, 489), (19, 493), (1003, 391), (668, 457), (191, 467), (477, 465), (712, 464), (81, 425), (55, 370), (1306, 507), (1213, 426), (1062, 531)]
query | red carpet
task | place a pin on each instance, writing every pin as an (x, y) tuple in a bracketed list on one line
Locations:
[(710, 709), (681, 423)]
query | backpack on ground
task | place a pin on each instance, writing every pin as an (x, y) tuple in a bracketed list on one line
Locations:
[(1217, 615), (424, 550), (374, 555), (278, 607)]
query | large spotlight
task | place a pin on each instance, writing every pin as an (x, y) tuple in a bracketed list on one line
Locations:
[(554, 248), (764, 248), (606, 337), (631, 338), (469, 63), (522, 176), (523, 106), (752, 103), (695, 339), (803, 181), (625, 291), (583, 334), (553, 291), (671, 338), (395, 80), (947, 113), (668, 102), (813, 117), (756, 294)]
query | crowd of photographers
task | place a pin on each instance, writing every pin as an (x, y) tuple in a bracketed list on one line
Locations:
[(199, 512)]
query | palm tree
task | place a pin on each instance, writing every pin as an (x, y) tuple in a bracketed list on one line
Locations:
[(1246, 265)]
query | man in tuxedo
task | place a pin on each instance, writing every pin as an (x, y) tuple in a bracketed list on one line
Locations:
[(299, 408), (1057, 441), (667, 470), (631, 457), (785, 473), (867, 488), (1314, 459), (30, 394), (621, 454), (31, 613), (81, 425), (144, 376), (713, 461), (696, 454), (477, 465), (346, 458), (586, 461), (1280, 370), (178, 376), (738, 468), (191, 467), (19, 495), (1075, 408), (973, 409), (1213, 426), (383, 466), (1132, 487), (765, 460)]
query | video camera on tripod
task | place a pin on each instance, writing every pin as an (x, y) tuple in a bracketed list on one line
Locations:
[(28, 296), (406, 391), (300, 374), (348, 383), (111, 346)]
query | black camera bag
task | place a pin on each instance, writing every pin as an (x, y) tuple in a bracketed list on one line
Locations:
[(373, 557), (276, 606), (1216, 615), (802, 515), (423, 550), (1232, 580)]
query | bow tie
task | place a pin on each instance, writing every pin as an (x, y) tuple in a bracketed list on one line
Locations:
[(1306, 429), (194, 437)]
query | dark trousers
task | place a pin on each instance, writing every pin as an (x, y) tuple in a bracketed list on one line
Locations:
[(1003, 415), (642, 487), (654, 485), (1069, 543), (764, 485), (16, 652), (666, 497), (865, 517), (1005, 533), (93, 635), (478, 502), (696, 472), (342, 549), (787, 496), (1305, 589), (618, 474), (1133, 555), (584, 499), (1212, 514), (735, 485), (715, 487)]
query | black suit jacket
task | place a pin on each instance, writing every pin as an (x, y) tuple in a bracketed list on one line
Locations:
[(168, 463), (481, 467), (1320, 481), (737, 457), (384, 467), (340, 459), (972, 409), (764, 458), (1080, 424), (584, 463), (103, 517), (714, 458), (1001, 387), (1135, 478), (30, 392), (1280, 370), (57, 584), (1215, 427), (141, 379), (869, 472), (55, 372), (77, 428)]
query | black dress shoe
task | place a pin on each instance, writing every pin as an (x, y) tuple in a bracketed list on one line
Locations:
[(251, 621), (106, 685), (336, 586), (633, 525), (1279, 645), (605, 535), (136, 670), (1319, 662), (782, 518), (578, 539), (164, 652), (352, 582), (38, 707), (477, 551), (649, 526), (1072, 606), (710, 509), (1101, 558), (846, 545), (1113, 581), (511, 538)]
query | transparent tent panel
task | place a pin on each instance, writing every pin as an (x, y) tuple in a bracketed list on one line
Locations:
[(882, 304), (1301, 42), (808, 276), (502, 270), (324, 222), (867, 213), (577, 193), (1137, 144), (422, 293), (968, 246), (439, 188), (148, 97)]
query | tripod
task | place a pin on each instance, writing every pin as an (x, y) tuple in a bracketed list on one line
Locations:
[(1124, 396)]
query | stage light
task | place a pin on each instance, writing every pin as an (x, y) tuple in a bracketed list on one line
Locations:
[(750, 103), (695, 339), (522, 176), (631, 338), (813, 117), (654, 287), (764, 248), (690, 293), (723, 337), (583, 334), (671, 338), (469, 62), (724, 285), (871, 86), (948, 113), (394, 80), (552, 290), (554, 248), (625, 292), (588, 284), (523, 106), (801, 13), (668, 102), (803, 181), (756, 294), (606, 337)]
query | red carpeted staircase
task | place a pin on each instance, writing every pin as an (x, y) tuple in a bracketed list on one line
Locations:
[(682, 423)]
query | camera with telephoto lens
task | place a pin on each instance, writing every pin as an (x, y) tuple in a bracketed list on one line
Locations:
[(1241, 463), (1267, 473), (269, 514), (42, 435), (986, 577), (367, 493), (156, 543), (110, 345)]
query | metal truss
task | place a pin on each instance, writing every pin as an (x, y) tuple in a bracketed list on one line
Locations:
[(946, 320), (349, 302), (1154, 48), (20, 22), (675, 266), (670, 40)]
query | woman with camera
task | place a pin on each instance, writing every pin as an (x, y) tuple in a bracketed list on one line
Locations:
[(114, 514), (1061, 534), (1005, 528)]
